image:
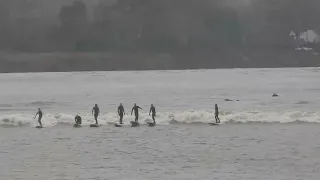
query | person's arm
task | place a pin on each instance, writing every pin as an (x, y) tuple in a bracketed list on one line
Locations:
[(150, 111), (36, 115), (92, 110), (98, 111), (139, 107), (132, 111)]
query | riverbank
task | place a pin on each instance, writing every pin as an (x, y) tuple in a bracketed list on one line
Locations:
[(105, 61)]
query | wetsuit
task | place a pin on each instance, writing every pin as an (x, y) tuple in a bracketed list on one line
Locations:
[(96, 112), (78, 119), (39, 113), (121, 113), (153, 110), (136, 112), (216, 114)]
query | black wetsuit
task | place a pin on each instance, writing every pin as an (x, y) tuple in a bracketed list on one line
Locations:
[(121, 113), (96, 112), (39, 113), (153, 110), (216, 114), (78, 119), (136, 112)]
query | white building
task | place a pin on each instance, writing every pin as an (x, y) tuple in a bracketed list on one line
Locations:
[(310, 36)]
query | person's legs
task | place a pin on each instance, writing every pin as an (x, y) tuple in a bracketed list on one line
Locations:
[(137, 117), (121, 118), (217, 118), (153, 118), (96, 118), (39, 120)]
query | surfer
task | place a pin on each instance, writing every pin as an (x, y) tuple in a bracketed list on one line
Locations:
[(121, 112), (136, 111), (78, 119), (153, 110), (216, 114), (96, 112), (39, 113)]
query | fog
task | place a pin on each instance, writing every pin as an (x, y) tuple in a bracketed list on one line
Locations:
[(222, 33)]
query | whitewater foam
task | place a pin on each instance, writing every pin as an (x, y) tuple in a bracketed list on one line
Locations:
[(182, 117)]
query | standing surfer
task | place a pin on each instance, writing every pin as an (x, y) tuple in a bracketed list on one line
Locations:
[(136, 111), (96, 112), (121, 112), (216, 114), (153, 110), (39, 113), (78, 119)]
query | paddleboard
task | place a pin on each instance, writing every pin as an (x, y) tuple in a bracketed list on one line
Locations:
[(151, 124), (134, 124), (94, 125), (118, 125), (39, 126), (213, 124), (77, 125)]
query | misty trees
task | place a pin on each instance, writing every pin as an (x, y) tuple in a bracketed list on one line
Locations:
[(157, 25), (73, 26), (4, 22), (273, 20), (168, 26)]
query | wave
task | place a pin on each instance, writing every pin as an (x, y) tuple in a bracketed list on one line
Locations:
[(41, 103), (5, 105), (303, 102), (182, 117)]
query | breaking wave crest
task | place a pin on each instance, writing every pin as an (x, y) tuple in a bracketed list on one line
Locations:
[(183, 117)]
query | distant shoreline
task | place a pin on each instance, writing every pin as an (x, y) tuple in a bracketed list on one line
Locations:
[(12, 62)]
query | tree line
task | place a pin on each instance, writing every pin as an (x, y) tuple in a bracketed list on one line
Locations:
[(156, 26)]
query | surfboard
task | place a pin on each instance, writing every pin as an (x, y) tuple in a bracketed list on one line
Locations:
[(94, 125), (77, 125), (118, 125), (134, 124), (214, 124), (39, 126), (151, 124)]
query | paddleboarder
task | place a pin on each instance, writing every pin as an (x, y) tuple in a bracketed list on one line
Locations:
[(78, 119), (136, 111), (96, 112), (216, 114), (121, 112), (39, 113), (153, 110)]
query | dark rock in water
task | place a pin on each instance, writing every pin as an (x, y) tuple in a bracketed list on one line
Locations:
[(230, 100), (275, 95)]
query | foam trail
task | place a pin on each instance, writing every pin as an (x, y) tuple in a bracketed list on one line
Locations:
[(180, 117)]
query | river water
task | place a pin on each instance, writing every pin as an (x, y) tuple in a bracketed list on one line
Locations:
[(260, 137)]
